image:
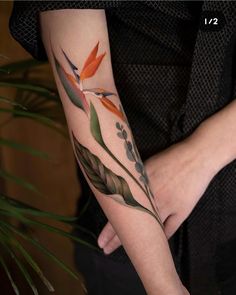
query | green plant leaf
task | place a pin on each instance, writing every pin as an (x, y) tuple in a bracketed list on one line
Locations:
[(85, 207), (24, 148), (20, 65), (43, 91), (12, 102), (18, 206), (40, 247), (5, 243), (7, 271), (49, 228), (36, 117), (20, 181), (12, 241)]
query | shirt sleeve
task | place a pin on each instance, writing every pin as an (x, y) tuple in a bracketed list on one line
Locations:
[(24, 21)]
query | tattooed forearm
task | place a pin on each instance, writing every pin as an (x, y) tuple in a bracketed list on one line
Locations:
[(102, 178)]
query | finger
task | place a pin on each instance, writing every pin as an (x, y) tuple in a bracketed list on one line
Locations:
[(162, 210), (171, 224), (112, 245), (106, 235)]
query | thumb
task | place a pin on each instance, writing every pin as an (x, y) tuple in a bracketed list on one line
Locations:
[(171, 224), (106, 235)]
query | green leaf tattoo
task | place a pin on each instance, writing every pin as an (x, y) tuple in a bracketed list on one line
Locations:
[(105, 180)]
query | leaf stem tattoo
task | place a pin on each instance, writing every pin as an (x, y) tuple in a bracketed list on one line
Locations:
[(101, 177)]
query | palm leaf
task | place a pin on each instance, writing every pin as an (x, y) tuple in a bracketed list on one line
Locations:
[(40, 247), (14, 242), (48, 227), (18, 180), (36, 117), (17, 206), (5, 243), (7, 271), (40, 90), (23, 148), (12, 102), (20, 66)]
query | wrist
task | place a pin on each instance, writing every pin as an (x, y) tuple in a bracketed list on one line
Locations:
[(212, 148)]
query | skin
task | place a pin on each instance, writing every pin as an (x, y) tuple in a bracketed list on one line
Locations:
[(76, 32), (180, 174)]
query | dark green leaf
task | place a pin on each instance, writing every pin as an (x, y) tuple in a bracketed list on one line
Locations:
[(47, 227), (21, 65), (23, 270), (36, 117), (40, 247), (7, 271), (12, 102), (23, 208), (23, 148), (20, 181), (12, 241), (43, 91)]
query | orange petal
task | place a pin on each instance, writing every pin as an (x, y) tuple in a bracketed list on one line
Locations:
[(91, 69), (112, 108), (91, 56)]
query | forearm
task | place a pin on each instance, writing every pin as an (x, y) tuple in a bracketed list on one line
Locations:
[(103, 142), (215, 139)]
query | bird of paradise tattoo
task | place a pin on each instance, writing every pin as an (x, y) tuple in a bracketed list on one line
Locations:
[(101, 177)]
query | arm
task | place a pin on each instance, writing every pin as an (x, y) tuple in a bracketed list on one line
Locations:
[(103, 142)]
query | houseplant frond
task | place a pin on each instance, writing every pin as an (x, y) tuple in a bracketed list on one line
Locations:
[(35, 99)]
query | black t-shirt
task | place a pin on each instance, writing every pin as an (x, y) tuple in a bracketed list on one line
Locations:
[(170, 75)]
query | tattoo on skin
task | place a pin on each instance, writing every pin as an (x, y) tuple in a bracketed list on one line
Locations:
[(101, 177)]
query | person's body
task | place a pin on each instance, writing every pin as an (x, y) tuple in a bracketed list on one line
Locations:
[(171, 89)]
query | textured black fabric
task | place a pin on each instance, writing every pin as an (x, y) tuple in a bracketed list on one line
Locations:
[(170, 76), (105, 276)]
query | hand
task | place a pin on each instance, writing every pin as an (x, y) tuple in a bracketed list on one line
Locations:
[(178, 178)]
